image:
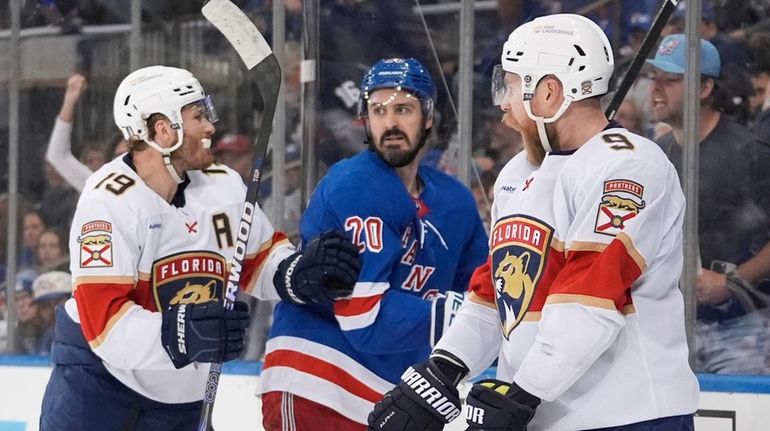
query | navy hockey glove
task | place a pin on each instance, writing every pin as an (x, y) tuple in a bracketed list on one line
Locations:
[(324, 271), (425, 400), (494, 405), (206, 332)]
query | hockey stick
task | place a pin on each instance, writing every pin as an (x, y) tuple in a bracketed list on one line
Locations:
[(264, 69), (666, 9)]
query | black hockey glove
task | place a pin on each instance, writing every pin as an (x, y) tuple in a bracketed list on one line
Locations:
[(494, 405), (425, 400), (324, 271), (206, 332)]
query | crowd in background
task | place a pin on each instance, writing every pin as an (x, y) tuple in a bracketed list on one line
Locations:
[(741, 95)]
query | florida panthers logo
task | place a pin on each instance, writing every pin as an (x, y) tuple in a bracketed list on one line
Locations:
[(519, 245), (195, 293), (621, 201), (188, 278)]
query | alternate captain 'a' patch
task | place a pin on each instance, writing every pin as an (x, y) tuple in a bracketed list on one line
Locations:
[(519, 250), (96, 244), (188, 278), (621, 201)]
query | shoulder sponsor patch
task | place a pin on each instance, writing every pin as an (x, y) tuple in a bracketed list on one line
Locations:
[(621, 201), (519, 249), (96, 244)]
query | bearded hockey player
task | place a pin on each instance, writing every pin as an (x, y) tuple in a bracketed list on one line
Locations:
[(152, 242), (420, 238), (580, 296)]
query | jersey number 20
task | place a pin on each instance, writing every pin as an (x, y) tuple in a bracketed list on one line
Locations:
[(367, 234)]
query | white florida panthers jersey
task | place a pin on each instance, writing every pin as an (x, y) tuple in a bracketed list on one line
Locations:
[(134, 254), (585, 258)]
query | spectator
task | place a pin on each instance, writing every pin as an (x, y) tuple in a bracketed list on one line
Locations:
[(59, 153), (34, 226), (50, 289), (51, 252), (760, 80), (731, 50), (29, 323), (732, 334)]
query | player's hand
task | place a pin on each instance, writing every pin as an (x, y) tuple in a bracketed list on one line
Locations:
[(711, 288), (76, 86), (325, 270), (206, 332), (425, 400), (443, 311), (496, 405)]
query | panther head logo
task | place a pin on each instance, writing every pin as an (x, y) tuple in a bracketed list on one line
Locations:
[(511, 276)]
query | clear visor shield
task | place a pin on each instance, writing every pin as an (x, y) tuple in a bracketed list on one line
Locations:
[(498, 85), (206, 107)]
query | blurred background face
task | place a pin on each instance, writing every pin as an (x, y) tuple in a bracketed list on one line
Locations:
[(760, 83), (33, 228), (25, 308), (50, 251), (93, 158)]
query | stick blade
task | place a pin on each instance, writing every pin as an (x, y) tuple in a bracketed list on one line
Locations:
[(239, 31)]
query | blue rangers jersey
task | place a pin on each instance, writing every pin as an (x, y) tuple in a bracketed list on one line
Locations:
[(346, 356)]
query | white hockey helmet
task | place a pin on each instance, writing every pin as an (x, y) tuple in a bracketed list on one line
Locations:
[(158, 90), (570, 47)]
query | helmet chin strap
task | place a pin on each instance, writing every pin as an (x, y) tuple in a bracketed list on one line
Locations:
[(541, 122), (166, 153)]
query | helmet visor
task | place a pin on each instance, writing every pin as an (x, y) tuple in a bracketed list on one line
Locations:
[(206, 106), (498, 85)]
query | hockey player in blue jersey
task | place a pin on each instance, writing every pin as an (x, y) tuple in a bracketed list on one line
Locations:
[(420, 238)]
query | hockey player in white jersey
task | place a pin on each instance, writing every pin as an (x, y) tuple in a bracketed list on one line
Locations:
[(580, 296), (151, 242)]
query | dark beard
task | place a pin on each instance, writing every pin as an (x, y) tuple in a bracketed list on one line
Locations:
[(398, 158)]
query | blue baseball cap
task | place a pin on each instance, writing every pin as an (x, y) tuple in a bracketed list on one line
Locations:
[(672, 51)]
